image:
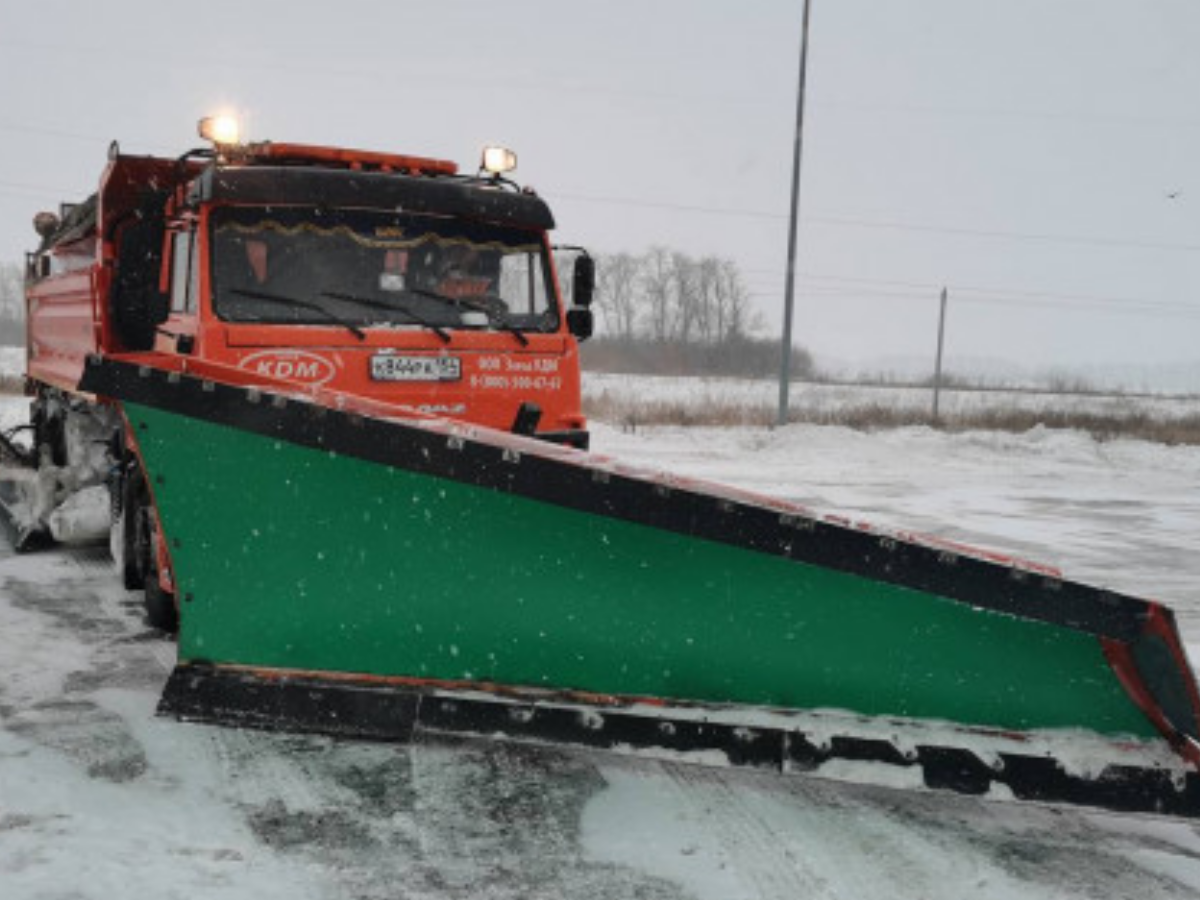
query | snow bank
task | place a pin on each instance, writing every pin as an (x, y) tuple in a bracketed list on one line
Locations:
[(12, 361), (83, 517)]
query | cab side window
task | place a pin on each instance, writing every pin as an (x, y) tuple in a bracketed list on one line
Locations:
[(185, 274), (522, 287)]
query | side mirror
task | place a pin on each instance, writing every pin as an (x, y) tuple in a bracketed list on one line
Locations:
[(579, 322), (583, 285)]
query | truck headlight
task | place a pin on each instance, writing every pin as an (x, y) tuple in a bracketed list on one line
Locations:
[(222, 130), (498, 160)]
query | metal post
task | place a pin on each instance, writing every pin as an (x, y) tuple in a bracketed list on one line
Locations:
[(937, 372), (789, 291)]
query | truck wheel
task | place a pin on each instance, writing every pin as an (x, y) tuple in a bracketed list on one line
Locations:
[(160, 606)]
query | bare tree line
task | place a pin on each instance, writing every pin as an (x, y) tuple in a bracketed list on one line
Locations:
[(669, 313), (668, 296)]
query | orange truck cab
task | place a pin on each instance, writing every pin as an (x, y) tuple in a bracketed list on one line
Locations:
[(388, 277)]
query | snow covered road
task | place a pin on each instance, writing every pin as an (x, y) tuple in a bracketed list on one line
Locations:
[(100, 799)]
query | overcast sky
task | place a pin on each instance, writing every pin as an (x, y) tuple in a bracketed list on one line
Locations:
[(1039, 157)]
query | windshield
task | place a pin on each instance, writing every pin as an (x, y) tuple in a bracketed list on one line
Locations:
[(368, 268)]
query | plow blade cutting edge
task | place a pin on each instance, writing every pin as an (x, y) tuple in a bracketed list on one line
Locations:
[(352, 569)]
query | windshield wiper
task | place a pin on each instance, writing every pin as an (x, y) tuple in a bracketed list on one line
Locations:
[(493, 317), (304, 304), (391, 307)]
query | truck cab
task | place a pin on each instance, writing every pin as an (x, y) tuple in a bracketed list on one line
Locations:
[(385, 277)]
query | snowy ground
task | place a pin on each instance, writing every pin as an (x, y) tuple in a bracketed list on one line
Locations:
[(100, 799), (12, 360)]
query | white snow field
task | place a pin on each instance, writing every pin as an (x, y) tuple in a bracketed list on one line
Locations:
[(12, 360), (638, 393), (101, 799)]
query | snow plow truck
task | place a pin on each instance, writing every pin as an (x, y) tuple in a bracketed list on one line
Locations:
[(326, 406)]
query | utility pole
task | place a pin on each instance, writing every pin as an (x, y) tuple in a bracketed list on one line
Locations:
[(937, 372), (785, 366)]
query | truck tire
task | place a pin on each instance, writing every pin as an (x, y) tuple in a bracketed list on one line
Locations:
[(160, 606), (134, 535), (133, 531)]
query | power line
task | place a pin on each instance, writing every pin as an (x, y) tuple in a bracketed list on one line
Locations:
[(23, 195), (1007, 235), (985, 112), (679, 207), (1181, 312), (50, 132), (884, 224), (25, 128), (39, 188), (928, 288), (368, 70), (78, 52), (1150, 311)]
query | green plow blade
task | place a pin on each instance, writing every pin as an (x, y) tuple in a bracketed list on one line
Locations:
[(372, 576)]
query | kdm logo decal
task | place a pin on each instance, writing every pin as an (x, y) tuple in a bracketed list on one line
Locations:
[(291, 365)]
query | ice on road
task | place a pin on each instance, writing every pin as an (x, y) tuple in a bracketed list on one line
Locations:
[(100, 799)]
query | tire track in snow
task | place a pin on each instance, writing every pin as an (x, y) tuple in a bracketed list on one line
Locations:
[(1074, 853), (733, 834), (736, 834), (80, 644), (503, 820), (108, 795), (442, 818)]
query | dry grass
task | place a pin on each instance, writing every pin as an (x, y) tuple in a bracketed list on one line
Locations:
[(1103, 427), (864, 417), (619, 411), (875, 417)]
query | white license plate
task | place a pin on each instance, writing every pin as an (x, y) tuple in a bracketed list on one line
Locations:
[(389, 367)]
